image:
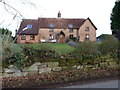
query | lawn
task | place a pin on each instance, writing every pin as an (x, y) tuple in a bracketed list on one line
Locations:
[(60, 48)]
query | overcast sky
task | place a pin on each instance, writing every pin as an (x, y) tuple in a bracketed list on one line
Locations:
[(97, 10)]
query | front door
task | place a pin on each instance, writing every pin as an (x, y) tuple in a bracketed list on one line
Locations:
[(61, 38)]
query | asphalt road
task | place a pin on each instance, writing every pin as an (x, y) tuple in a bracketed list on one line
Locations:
[(105, 84)]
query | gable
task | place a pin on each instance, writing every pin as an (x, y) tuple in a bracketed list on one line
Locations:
[(91, 23)]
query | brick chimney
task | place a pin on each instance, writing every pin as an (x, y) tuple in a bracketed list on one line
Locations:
[(59, 14)]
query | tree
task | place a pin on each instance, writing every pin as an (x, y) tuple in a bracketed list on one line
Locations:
[(117, 0), (109, 46), (115, 20), (103, 37), (9, 8), (5, 34)]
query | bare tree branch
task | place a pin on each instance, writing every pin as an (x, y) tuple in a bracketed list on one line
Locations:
[(13, 9), (16, 15), (2, 22)]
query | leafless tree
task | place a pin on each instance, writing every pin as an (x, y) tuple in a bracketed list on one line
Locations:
[(16, 14)]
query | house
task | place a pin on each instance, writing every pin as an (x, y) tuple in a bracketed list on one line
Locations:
[(55, 30)]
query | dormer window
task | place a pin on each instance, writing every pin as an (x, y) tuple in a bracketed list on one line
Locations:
[(87, 29), (70, 26), (51, 25), (29, 26)]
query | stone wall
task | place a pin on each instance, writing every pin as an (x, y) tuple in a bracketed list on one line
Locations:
[(91, 32), (49, 67), (37, 68), (44, 33)]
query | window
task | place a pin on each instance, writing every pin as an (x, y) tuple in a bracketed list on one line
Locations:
[(23, 37), (51, 30), (61, 35), (71, 36), (51, 25), (87, 29), (51, 36), (32, 37), (29, 26), (70, 26), (71, 31), (87, 37)]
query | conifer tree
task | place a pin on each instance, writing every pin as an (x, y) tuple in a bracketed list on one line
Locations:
[(115, 20)]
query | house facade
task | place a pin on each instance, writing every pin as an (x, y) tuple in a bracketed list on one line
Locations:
[(57, 30)]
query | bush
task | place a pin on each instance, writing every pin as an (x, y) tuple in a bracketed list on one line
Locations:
[(109, 46), (46, 52), (18, 60), (74, 39), (59, 48), (39, 54), (11, 53), (62, 62), (72, 62), (86, 51)]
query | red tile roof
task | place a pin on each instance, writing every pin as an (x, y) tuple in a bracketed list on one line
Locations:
[(59, 23), (32, 31)]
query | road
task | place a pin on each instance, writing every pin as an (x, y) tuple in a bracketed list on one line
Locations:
[(105, 84)]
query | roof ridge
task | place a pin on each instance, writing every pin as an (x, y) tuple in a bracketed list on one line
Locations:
[(29, 19), (62, 18)]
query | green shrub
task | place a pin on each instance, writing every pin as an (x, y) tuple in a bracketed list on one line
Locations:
[(59, 48), (35, 54), (11, 52), (46, 60), (109, 46), (52, 64), (113, 63), (72, 62), (18, 60), (68, 68), (62, 62), (86, 51), (74, 39)]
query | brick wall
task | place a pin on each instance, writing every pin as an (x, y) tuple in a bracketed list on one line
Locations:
[(37, 39)]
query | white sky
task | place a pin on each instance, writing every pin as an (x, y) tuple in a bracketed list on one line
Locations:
[(97, 10)]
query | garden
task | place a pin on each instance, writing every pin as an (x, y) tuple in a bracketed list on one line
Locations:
[(45, 63)]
